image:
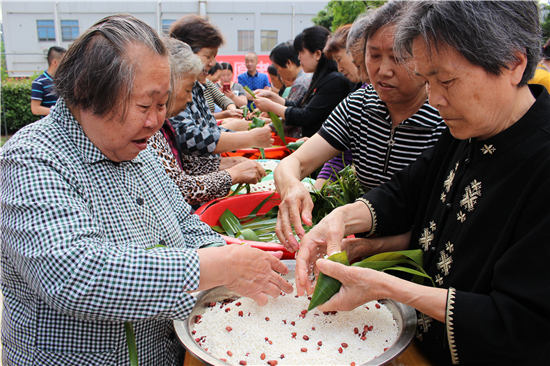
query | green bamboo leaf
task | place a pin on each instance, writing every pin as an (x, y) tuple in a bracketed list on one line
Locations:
[(245, 111), (293, 146), (278, 126), (218, 229), (240, 186), (248, 234), (249, 91), (415, 255), (131, 341), (414, 272), (262, 152), (230, 223), (327, 286)]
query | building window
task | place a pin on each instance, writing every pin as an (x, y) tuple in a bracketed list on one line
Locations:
[(166, 23), (46, 30), (246, 40), (269, 39), (69, 30)]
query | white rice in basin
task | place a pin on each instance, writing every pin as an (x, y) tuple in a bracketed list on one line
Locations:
[(345, 336)]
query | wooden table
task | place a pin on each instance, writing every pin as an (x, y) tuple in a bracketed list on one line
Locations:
[(411, 357)]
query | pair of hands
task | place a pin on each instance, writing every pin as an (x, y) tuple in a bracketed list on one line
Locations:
[(246, 171), (359, 285), (266, 100)]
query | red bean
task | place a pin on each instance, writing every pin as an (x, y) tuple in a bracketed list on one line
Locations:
[(229, 353), (340, 350), (284, 321), (371, 328), (262, 356), (320, 343), (229, 329), (377, 306), (282, 356), (293, 334), (241, 313), (312, 328), (345, 345), (193, 332), (355, 330), (363, 338), (238, 304), (306, 338), (266, 319), (303, 349), (223, 359), (304, 311), (242, 363), (270, 342), (272, 362), (385, 349), (352, 364), (227, 310), (293, 323)]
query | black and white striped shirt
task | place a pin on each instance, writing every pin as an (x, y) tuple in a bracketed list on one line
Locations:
[(362, 124)]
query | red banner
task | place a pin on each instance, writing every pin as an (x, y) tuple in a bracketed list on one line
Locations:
[(239, 67)]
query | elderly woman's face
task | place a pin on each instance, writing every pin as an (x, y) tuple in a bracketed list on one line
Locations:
[(183, 94), (472, 102), (122, 140), (392, 80), (346, 65)]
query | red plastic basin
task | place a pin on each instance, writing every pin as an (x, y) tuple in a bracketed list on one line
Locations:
[(241, 206), (270, 152)]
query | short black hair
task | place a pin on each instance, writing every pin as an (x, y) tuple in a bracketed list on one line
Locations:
[(227, 66), (214, 68), (55, 53), (284, 52)]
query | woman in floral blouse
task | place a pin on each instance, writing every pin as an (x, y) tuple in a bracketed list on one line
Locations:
[(200, 179)]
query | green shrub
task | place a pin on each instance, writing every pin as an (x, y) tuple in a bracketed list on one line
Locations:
[(16, 104)]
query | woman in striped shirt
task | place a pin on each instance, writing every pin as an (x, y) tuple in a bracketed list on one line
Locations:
[(386, 126)]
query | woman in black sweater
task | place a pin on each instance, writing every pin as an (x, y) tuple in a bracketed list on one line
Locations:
[(327, 89)]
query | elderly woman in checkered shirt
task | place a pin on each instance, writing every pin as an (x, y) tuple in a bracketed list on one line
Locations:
[(94, 233)]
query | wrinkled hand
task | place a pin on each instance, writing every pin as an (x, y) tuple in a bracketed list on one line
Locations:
[(359, 285), (295, 207), (263, 93), (228, 162), (252, 273), (325, 238), (236, 124), (248, 171), (264, 104), (233, 113), (261, 137)]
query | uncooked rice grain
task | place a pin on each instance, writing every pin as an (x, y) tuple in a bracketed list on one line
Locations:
[(252, 336)]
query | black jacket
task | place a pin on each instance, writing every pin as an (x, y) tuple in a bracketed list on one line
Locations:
[(310, 114)]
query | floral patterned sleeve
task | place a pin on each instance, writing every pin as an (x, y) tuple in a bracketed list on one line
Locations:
[(200, 181)]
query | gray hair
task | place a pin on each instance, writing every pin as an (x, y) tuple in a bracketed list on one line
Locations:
[(486, 33), (388, 14), (183, 62), (355, 43), (97, 73)]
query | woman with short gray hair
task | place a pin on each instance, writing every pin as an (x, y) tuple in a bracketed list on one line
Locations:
[(96, 239), (477, 201), (200, 179)]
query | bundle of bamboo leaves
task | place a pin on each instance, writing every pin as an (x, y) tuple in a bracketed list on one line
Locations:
[(409, 261)]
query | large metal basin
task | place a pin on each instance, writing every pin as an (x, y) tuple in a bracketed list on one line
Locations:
[(405, 317)]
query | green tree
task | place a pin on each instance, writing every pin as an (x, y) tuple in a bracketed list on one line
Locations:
[(338, 13)]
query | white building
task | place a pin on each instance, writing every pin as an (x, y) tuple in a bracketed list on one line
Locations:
[(32, 27)]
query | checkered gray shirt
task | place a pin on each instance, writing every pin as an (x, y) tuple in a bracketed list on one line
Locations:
[(74, 232), (196, 128)]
